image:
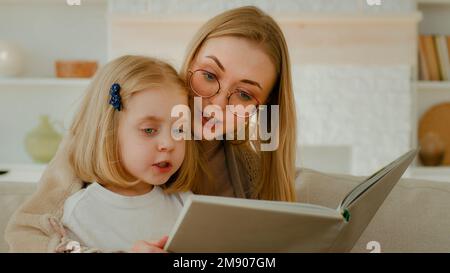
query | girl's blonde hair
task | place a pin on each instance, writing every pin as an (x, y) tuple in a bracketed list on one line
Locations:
[(94, 152), (276, 171)]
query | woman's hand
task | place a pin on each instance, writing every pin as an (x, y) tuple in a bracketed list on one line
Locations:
[(150, 247)]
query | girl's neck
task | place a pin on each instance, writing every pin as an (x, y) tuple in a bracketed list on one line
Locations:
[(139, 189)]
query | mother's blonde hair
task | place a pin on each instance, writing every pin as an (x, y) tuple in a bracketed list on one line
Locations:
[(94, 152), (276, 171)]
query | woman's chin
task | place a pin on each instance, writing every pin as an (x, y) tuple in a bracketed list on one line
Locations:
[(206, 132)]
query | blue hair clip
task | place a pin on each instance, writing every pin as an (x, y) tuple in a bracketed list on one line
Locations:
[(115, 99)]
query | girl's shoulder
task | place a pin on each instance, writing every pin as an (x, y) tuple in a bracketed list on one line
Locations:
[(184, 196), (72, 201)]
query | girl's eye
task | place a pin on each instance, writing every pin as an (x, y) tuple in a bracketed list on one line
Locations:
[(149, 131), (178, 130)]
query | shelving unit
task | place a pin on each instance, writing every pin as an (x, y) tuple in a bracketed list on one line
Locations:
[(43, 82), (433, 85), (441, 174), (435, 20), (46, 31), (431, 93), (21, 173), (310, 18), (421, 2)]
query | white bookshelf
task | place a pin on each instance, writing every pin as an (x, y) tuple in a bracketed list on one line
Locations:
[(42, 82), (429, 94), (441, 174), (297, 18), (435, 20), (45, 31), (433, 85), (425, 2), (21, 173)]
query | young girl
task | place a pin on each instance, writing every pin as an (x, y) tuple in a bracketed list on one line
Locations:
[(123, 147)]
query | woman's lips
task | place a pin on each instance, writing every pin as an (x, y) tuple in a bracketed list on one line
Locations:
[(211, 120), (204, 120)]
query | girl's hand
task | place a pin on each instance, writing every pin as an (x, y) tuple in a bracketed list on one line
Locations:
[(150, 247)]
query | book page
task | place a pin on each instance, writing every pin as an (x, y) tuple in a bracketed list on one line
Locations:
[(370, 181)]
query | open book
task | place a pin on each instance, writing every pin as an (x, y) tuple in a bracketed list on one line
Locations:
[(222, 224)]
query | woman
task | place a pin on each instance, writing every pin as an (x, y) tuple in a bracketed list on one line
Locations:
[(241, 53)]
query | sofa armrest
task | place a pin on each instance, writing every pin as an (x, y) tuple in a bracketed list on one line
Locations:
[(12, 195)]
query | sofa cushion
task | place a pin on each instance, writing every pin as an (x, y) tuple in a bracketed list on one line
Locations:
[(415, 217)]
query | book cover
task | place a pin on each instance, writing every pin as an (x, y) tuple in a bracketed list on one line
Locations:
[(431, 58), (424, 74), (447, 38), (224, 224), (442, 52)]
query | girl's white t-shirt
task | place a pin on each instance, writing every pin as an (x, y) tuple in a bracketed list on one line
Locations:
[(99, 218)]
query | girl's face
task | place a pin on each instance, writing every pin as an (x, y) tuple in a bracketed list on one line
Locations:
[(147, 149), (239, 65)]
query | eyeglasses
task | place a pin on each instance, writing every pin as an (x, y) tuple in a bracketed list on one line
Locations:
[(206, 85)]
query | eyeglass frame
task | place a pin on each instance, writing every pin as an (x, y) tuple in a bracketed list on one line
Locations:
[(218, 91)]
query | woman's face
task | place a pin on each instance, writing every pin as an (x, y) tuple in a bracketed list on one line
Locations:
[(240, 66)]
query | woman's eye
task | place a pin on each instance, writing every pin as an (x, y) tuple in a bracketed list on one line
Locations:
[(149, 131), (244, 96), (209, 76)]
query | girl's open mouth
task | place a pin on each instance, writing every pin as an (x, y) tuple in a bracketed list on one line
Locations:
[(162, 167)]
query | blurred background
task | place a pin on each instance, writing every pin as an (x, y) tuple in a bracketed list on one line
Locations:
[(371, 77)]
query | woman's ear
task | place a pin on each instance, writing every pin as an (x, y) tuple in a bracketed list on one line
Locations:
[(272, 94)]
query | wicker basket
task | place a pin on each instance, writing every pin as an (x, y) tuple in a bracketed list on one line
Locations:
[(75, 69)]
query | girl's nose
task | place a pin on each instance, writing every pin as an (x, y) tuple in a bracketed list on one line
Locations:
[(166, 144)]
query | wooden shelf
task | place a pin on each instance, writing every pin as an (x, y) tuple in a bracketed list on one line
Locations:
[(306, 18), (43, 82), (52, 2), (433, 85), (428, 94), (22, 173), (441, 173), (439, 170), (432, 2)]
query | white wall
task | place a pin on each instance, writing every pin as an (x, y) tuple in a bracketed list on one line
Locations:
[(367, 108), (332, 43), (351, 74), (46, 31), (51, 30), (19, 113), (211, 7)]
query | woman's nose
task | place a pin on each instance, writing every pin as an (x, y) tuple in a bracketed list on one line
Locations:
[(220, 99)]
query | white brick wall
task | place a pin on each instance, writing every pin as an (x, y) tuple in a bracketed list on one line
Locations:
[(170, 7), (367, 108)]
